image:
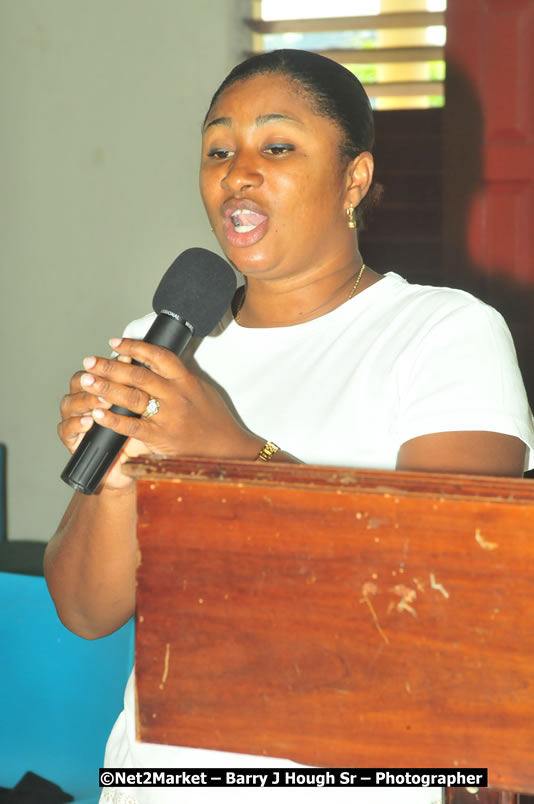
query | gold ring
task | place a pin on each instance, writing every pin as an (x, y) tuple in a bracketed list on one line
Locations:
[(151, 409)]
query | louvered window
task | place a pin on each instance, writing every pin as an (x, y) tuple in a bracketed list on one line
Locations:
[(395, 47)]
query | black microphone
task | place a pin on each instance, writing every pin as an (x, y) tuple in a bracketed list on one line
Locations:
[(191, 298)]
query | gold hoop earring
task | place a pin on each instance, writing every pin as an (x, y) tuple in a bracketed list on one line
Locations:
[(351, 217)]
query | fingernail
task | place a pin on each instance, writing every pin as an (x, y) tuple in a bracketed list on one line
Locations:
[(86, 421), (114, 342), (101, 399), (87, 379), (98, 414), (89, 362)]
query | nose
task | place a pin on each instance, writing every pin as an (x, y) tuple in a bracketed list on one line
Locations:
[(242, 174)]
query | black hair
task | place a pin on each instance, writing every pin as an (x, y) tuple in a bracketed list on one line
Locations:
[(334, 92)]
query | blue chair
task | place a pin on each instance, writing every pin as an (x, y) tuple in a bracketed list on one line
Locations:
[(60, 694)]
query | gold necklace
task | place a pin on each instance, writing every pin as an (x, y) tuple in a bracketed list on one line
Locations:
[(351, 294), (353, 291)]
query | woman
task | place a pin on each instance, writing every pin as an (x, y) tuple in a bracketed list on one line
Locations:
[(321, 355)]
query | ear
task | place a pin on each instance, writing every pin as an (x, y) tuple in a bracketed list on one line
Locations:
[(359, 177)]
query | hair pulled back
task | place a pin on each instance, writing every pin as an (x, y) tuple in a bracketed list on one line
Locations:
[(334, 92)]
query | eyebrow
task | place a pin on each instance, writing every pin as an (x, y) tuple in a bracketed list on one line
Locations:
[(262, 120)]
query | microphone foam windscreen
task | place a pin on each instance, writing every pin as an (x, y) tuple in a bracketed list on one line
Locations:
[(199, 287)]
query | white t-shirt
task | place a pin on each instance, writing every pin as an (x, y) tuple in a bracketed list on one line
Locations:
[(346, 389)]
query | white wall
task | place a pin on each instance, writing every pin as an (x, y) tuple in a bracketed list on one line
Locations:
[(102, 103)]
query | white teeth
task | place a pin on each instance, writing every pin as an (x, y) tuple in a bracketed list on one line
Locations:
[(241, 228)]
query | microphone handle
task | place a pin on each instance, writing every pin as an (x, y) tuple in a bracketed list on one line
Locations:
[(100, 445)]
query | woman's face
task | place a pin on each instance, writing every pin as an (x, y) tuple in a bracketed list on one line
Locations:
[(272, 181)]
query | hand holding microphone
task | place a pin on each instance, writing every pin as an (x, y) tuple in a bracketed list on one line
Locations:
[(190, 300)]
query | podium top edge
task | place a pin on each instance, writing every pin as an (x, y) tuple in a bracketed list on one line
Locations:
[(332, 478)]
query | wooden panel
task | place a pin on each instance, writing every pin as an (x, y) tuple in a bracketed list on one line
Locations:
[(461, 795), (508, 70), (337, 617), (488, 236), (508, 208), (490, 103), (507, 79)]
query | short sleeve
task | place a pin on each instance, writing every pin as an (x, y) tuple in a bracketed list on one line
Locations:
[(461, 373), (139, 328)]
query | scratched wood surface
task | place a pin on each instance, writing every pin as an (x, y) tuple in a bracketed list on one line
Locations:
[(337, 617), (462, 795)]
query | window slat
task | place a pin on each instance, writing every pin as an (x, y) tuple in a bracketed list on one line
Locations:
[(404, 89), (407, 19), (405, 70), (385, 55)]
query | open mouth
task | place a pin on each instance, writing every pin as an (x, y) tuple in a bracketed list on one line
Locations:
[(244, 220)]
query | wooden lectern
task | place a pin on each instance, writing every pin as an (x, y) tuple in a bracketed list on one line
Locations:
[(338, 617)]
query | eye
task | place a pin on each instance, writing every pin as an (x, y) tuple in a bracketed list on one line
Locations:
[(279, 148), (219, 153)]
